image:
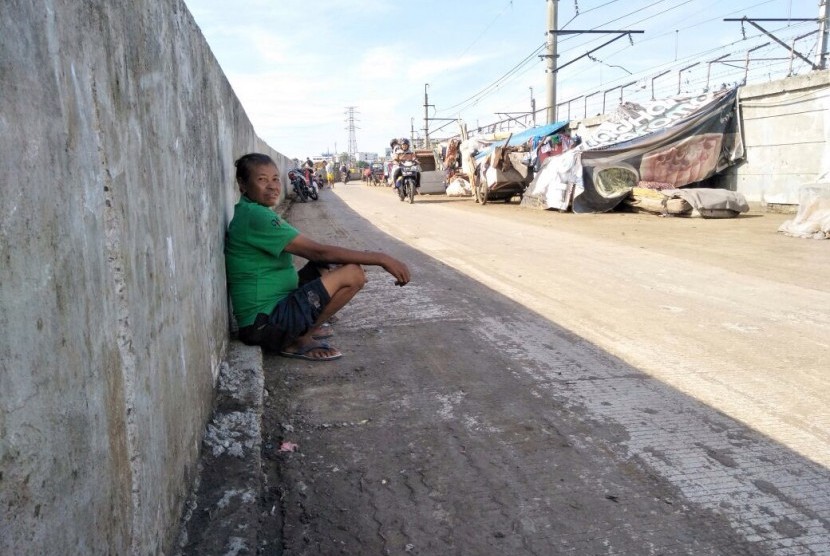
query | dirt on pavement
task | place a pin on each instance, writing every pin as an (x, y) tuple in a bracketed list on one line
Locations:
[(547, 384), (461, 421)]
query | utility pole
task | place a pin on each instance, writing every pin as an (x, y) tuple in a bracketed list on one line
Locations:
[(532, 107), (553, 66), (427, 119), (426, 116), (551, 58), (412, 130), (821, 55)]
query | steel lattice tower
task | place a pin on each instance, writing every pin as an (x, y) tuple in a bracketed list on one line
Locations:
[(350, 120)]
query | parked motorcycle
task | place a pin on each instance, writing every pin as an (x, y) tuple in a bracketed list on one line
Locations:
[(302, 189), (314, 181), (410, 171)]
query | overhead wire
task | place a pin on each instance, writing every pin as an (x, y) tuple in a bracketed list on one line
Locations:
[(692, 57), (480, 94), (508, 5), (524, 66), (716, 18), (492, 87)]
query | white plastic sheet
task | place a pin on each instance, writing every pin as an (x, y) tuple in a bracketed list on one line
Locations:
[(813, 218)]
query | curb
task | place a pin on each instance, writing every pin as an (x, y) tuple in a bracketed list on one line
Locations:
[(221, 515)]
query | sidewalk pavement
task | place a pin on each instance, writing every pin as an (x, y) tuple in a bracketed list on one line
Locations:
[(459, 422)]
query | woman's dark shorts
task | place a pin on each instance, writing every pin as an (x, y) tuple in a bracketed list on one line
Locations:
[(291, 318)]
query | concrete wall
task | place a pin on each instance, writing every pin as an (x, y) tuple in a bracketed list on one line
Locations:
[(786, 131), (118, 132), (786, 127)]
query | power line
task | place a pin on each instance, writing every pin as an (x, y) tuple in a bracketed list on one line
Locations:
[(716, 18), (759, 68), (508, 5), (480, 94)]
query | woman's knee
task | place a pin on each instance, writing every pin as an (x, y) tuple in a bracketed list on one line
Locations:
[(349, 276), (356, 274)]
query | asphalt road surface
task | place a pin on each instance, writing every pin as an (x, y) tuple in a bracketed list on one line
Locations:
[(558, 384)]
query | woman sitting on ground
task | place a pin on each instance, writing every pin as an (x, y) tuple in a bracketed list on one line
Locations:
[(272, 308)]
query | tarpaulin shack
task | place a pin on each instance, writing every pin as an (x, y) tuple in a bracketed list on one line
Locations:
[(667, 143), (501, 169)]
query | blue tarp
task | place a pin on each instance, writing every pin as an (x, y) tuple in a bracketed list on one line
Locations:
[(535, 133)]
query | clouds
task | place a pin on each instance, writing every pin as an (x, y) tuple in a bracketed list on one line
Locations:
[(297, 64)]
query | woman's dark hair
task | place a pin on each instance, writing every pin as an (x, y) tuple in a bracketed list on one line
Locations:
[(246, 164)]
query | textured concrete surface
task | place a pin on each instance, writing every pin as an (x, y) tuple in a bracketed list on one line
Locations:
[(118, 132), (786, 127)]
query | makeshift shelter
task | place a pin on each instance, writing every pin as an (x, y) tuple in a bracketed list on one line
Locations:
[(502, 169), (668, 143)]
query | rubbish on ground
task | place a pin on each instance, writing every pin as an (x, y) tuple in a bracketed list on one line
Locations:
[(813, 218), (288, 447)]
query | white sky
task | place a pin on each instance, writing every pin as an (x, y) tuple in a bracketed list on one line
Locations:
[(296, 65)]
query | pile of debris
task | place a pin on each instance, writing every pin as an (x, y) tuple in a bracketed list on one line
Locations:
[(500, 169)]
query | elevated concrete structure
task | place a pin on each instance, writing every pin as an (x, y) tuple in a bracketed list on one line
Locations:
[(118, 132), (786, 127)]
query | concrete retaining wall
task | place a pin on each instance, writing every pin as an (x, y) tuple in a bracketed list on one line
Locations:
[(786, 126), (118, 132)]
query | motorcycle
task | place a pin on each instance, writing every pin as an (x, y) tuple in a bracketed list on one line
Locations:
[(302, 189), (408, 179), (314, 181)]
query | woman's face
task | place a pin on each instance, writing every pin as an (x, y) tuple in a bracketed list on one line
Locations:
[(263, 185)]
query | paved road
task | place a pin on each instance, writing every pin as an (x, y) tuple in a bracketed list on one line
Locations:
[(560, 384)]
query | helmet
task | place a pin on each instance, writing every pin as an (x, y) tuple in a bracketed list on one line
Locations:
[(405, 143), (393, 142)]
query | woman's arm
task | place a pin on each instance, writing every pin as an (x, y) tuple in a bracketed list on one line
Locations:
[(305, 247)]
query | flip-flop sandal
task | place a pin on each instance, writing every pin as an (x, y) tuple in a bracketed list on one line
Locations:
[(302, 353)]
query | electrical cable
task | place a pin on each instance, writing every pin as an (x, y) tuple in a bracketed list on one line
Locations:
[(508, 5), (480, 94)]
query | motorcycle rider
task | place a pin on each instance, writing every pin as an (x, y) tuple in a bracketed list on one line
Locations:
[(401, 151)]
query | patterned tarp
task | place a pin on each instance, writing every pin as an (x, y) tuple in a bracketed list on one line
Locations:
[(677, 141)]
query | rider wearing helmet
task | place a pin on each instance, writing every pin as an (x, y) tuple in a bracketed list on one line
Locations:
[(401, 151)]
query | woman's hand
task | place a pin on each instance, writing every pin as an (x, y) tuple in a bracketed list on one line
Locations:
[(397, 269)]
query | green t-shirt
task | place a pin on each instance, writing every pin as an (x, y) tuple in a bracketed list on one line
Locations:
[(260, 273)]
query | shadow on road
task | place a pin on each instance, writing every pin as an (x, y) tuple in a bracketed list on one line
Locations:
[(460, 422)]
